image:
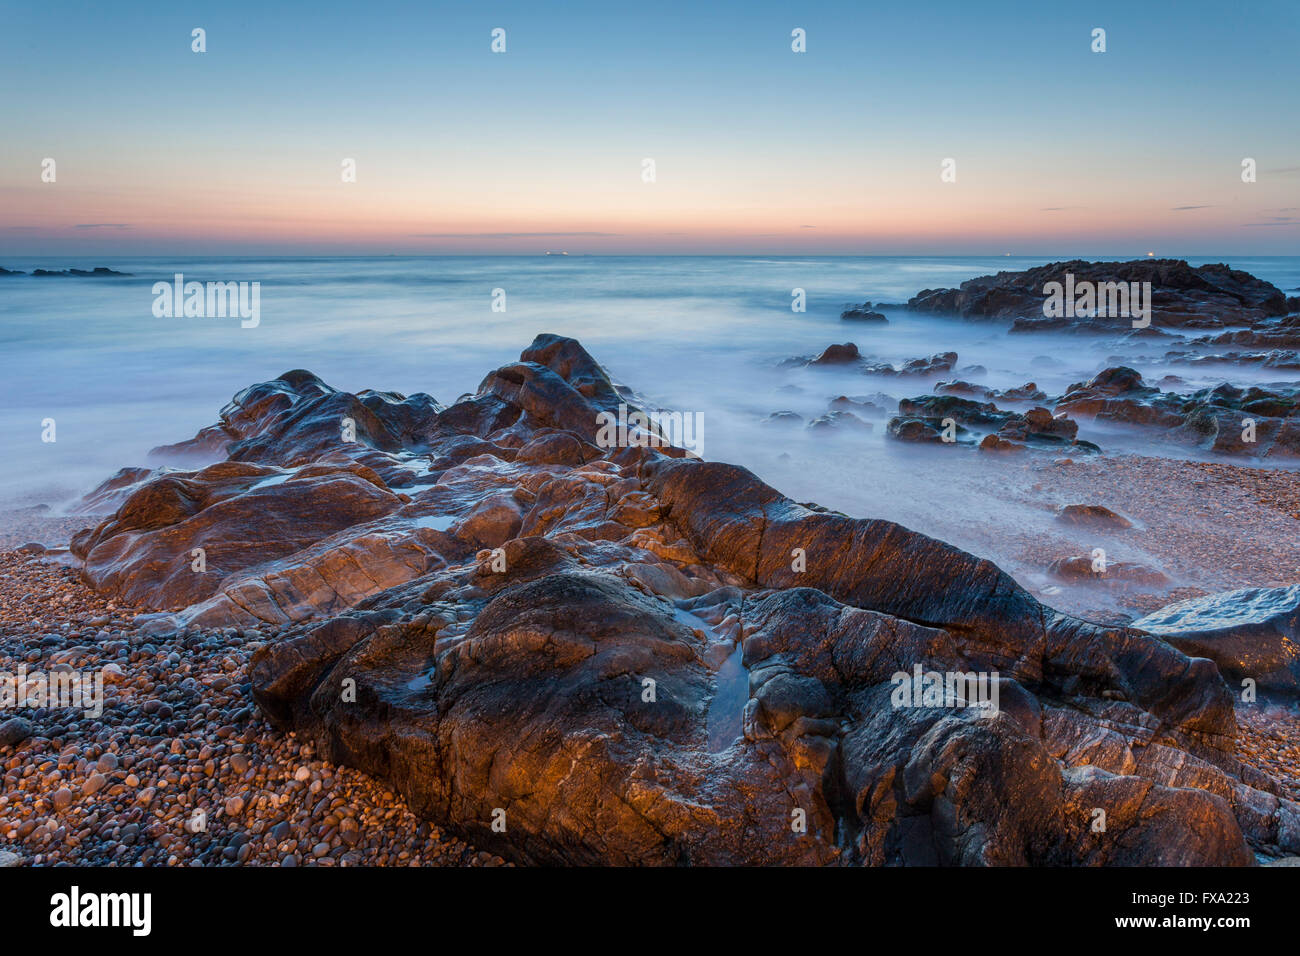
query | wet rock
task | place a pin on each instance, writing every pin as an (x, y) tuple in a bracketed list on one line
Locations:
[(1251, 633), (14, 731), (239, 516), (913, 430), (863, 313), (1040, 427), (1028, 392), (1092, 516), (839, 421), (995, 443), (1257, 421), (936, 364), (1108, 572), (845, 354), (1182, 296)]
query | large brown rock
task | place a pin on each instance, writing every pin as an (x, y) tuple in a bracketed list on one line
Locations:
[(578, 654)]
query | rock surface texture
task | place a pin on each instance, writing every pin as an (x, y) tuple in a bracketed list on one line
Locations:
[(578, 654)]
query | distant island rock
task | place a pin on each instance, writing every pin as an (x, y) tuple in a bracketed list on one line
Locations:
[(97, 272), (1210, 296)]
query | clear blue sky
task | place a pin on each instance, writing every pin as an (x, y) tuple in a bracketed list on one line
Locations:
[(756, 148)]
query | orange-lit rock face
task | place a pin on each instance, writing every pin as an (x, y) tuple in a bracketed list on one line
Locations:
[(534, 638)]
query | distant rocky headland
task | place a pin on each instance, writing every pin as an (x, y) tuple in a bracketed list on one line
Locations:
[(95, 273)]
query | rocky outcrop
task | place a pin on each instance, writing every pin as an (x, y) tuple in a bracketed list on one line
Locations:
[(1209, 296), (1255, 421), (575, 653), (948, 418)]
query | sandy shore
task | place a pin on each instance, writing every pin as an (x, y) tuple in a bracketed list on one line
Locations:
[(1207, 526)]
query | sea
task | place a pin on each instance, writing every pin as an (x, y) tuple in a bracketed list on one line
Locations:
[(703, 335)]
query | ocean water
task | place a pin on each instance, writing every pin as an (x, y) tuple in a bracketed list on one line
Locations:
[(693, 334)]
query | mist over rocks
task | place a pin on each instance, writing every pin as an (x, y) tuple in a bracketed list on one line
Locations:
[(570, 653), (1254, 421)]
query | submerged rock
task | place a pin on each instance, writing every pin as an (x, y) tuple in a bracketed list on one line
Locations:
[(863, 313), (1093, 516), (840, 420), (574, 653)]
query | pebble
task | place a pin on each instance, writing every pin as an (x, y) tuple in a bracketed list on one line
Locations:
[(181, 769)]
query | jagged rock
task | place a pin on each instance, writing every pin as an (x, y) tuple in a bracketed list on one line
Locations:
[(838, 355), (1250, 633), (913, 430), (645, 658), (1041, 427)]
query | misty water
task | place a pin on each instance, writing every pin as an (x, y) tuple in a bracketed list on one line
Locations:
[(692, 334)]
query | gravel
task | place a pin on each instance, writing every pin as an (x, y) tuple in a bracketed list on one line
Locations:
[(181, 769)]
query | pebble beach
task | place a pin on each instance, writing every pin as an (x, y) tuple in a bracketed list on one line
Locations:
[(179, 741)]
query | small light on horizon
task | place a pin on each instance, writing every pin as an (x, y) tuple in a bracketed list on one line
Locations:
[(1150, 253)]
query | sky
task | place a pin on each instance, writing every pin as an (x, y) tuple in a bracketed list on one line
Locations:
[(756, 149)]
